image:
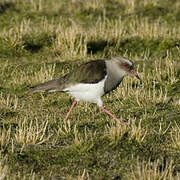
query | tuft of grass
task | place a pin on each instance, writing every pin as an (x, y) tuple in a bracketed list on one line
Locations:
[(153, 170), (133, 132), (175, 137), (3, 168), (32, 134), (5, 138)]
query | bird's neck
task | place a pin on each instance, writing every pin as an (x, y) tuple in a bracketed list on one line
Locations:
[(114, 76), (114, 69)]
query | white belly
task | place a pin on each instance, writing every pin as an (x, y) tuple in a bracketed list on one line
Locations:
[(87, 92)]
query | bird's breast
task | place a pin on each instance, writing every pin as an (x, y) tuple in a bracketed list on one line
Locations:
[(112, 82)]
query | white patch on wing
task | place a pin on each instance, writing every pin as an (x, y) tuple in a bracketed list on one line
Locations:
[(87, 92)]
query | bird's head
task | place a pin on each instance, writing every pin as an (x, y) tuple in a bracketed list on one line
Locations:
[(127, 66)]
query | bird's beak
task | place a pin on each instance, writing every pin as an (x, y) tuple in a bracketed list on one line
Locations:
[(134, 74)]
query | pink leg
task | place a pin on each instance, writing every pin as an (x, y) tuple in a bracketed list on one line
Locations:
[(70, 110), (110, 114)]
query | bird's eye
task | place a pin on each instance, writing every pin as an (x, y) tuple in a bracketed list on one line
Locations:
[(126, 65)]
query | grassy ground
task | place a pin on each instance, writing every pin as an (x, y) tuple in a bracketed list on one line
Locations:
[(43, 39)]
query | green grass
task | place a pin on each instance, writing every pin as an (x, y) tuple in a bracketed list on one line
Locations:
[(41, 40)]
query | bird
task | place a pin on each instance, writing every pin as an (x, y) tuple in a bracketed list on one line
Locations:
[(90, 81)]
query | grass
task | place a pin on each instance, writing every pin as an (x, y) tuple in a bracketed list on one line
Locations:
[(41, 40)]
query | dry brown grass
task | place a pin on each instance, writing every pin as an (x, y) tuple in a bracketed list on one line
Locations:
[(152, 171)]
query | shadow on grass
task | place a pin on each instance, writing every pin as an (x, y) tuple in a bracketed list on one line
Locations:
[(95, 46), (35, 43), (6, 6)]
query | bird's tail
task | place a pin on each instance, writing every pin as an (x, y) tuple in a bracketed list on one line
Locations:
[(50, 86)]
